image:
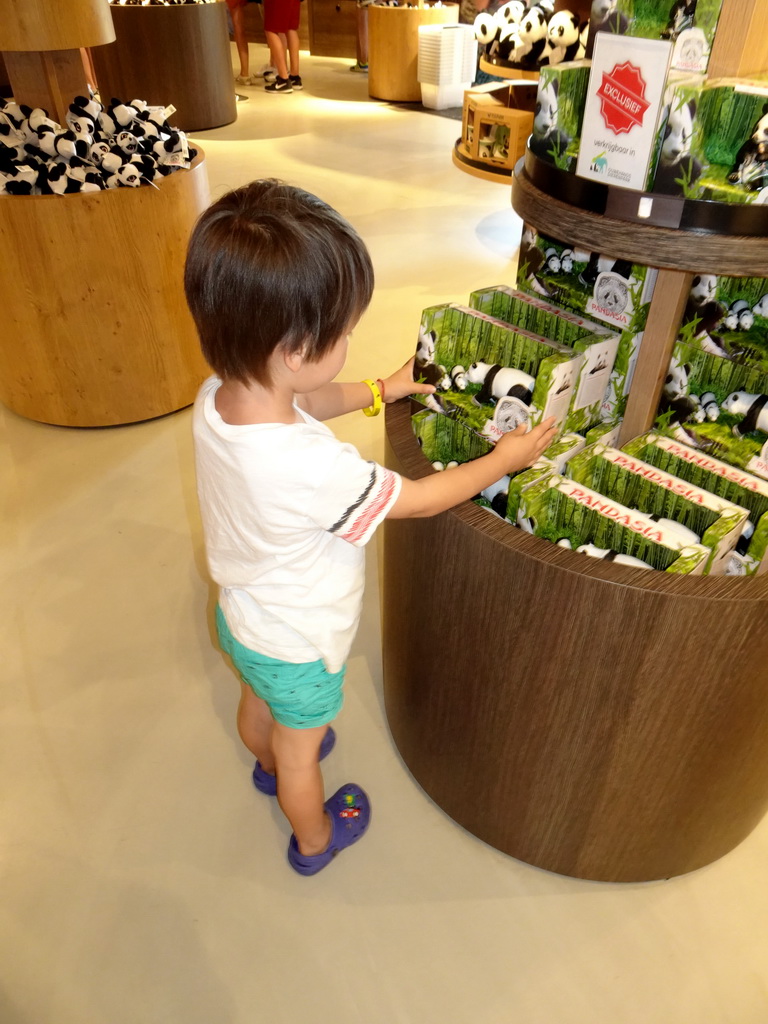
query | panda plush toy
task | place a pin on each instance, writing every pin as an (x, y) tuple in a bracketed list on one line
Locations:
[(500, 382), (752, 408), (750, 169), (534, 46), (677, 166), (564, 37)]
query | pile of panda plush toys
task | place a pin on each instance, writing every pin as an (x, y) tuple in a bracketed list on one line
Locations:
[(531, 34), (122, 146), (157, 3)]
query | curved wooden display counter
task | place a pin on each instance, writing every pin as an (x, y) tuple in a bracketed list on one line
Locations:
[(94, 327), (588, 718), (393, 48), (176, 55), (501, 175)]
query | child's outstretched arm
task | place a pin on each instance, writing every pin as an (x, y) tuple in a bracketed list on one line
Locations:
[(432, 494), (338, 397)]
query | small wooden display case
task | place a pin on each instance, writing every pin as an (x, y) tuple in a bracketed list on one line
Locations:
[(496, 123)]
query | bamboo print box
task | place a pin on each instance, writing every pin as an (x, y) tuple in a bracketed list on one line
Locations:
[(560, 103), (714, 522), (491, 376), (718, 406), (567, 512), (597, 343), (721, 479)]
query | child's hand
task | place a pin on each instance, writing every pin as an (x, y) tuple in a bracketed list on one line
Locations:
[(401, 384), (521, 449)]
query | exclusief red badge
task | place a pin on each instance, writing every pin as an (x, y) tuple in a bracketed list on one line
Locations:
[(622, 98)]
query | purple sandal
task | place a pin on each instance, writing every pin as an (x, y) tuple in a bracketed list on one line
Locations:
[(350, 812), (267, 783)]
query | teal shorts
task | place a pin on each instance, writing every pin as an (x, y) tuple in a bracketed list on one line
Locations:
[(303, 696)]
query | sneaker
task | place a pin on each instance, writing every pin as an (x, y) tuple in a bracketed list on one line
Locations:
[(245, 80), (362, 68), (350, 812), (295, 81), (266, 71), (279, 85)]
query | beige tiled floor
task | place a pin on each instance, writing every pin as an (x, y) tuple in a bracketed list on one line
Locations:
[(143, 879)]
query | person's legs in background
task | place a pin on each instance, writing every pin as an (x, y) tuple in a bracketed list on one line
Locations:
[(361, 39)]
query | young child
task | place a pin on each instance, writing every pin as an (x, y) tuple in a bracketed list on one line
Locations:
[(276, 280)]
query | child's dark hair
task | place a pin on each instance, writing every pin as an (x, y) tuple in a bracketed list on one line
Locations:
[(268, 265)]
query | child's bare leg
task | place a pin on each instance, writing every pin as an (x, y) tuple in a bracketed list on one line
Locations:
[(254, 724), (300, 785)]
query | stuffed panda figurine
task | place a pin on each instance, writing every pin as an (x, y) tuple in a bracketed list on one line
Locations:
[(609, 555), (677, 166), (564, 37), (750, 168), (534, 46), (499, 382), (752, 408), (739, 316)]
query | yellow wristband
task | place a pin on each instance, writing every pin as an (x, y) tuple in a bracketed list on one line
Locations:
[(375, 408)]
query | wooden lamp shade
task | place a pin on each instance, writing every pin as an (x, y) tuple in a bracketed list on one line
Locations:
[(54, 24)]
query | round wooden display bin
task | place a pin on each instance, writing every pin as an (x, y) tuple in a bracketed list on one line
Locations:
[(171, 55), (94, 327), (393, 48), (591, 719)]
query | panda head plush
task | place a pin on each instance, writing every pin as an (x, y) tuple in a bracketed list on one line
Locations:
[(487, 30), (534, 49), (511, 13), (564, 37)]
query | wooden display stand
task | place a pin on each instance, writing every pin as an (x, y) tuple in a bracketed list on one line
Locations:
[(94, 330), (106, 338), (591, 719), (393, 48), (194, 73)]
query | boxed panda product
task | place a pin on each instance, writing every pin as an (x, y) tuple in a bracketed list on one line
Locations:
[(606, 432), (678, 161), (560, 101), (721, 479), (595, 341), (622, 111), (714, 522), (445, 440), (718, 406), (496, 122), (728, 316), (489, 375), (553, 460), (689, 26), (726, 153), (615, 292), (573, 515)]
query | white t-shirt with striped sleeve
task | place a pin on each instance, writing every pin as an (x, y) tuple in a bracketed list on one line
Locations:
[(287, 510)]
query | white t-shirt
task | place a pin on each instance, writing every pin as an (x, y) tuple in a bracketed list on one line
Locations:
[(287, 510)]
